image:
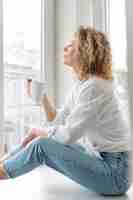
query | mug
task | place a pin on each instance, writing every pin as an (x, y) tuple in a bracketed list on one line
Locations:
[(36, 90)]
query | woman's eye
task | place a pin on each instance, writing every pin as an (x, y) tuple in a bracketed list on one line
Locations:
[(70, 46)]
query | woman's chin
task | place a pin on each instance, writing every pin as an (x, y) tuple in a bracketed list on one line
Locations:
[(66, 63), (68, 66)]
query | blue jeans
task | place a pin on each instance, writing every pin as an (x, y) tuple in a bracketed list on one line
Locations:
[(107, 175)]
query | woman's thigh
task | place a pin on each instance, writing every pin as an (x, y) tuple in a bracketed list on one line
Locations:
[(119, 163), (72, 161)]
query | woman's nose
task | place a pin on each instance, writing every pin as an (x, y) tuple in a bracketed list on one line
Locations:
[(65, 48)]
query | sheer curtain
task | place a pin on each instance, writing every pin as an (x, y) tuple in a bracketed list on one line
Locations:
[(116, 26)]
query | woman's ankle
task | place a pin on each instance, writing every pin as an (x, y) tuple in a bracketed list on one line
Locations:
[(5, 157), (3, 174)]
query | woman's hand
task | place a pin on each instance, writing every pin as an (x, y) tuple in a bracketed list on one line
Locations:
[(33, 133), (28, 87)]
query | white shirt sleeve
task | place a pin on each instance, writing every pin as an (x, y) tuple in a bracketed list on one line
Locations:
[(81, 118)]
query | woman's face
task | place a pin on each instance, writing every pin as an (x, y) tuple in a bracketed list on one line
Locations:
[(71, 54)]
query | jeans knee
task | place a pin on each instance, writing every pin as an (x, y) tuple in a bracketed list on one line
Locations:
[(43, 147), (37, 149), (40, 141), (37, 141)]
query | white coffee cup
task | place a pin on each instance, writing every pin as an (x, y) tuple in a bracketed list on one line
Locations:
[(38, 89)]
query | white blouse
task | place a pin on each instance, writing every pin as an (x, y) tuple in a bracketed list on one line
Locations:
[(93, 117)]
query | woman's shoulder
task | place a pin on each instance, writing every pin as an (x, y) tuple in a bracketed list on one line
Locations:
[(96, 86), (95, 82), (103, 84)]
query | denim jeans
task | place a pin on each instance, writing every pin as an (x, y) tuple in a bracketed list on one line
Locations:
[(107, 175)]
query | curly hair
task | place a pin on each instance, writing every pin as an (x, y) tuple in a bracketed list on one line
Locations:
[(95, 53)]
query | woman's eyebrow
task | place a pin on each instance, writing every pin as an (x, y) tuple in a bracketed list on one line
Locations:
[(68, 45)]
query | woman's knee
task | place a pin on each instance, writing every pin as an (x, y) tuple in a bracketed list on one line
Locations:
[(39, 142), (37, 149)]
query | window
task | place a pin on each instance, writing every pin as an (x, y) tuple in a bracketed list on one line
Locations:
[(24, 49), (22, 59), (117, 32)]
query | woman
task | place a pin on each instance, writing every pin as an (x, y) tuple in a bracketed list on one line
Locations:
[(91, 118)]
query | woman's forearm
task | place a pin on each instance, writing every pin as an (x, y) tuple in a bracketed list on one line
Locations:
[(48, 107), (46, 103)]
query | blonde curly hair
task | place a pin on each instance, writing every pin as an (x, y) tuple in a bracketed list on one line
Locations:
[(95, 53)]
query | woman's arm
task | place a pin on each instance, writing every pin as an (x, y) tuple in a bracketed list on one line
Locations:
[(57, 116), (48, 107), (82, 118), (46, 102), (54, 115)]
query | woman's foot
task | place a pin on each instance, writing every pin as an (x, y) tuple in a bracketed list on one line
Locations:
[(3, 174), (4, 157)]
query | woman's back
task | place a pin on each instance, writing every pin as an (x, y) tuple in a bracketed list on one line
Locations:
[(110, 127)]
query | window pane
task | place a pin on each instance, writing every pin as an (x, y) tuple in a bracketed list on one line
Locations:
[(22, 55), (20, 111), (22, 27), (117, 31)]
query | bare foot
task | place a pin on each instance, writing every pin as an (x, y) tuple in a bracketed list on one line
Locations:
[(5, 157), (10, 153), (3, 174)]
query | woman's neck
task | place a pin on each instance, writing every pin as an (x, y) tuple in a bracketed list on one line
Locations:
[(85, 77), (80, 77)]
